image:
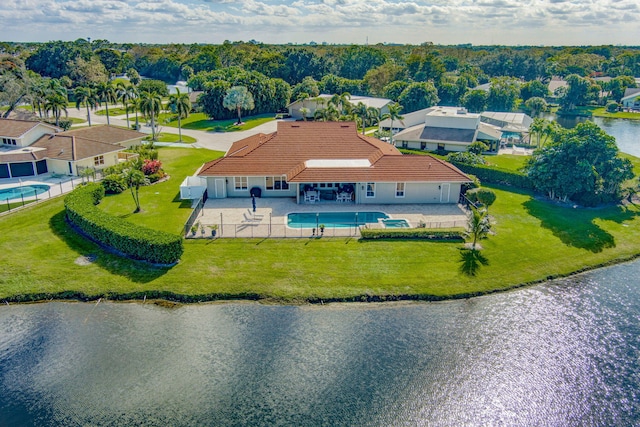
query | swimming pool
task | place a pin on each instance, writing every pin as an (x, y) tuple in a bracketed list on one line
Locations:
[(395, 223), (22, 191), (333, 219)]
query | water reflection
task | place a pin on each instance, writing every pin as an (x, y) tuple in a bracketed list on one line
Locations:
[(559, 354)]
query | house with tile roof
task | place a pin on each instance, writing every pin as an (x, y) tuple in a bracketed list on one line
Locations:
[(329, 162), (31, 148)]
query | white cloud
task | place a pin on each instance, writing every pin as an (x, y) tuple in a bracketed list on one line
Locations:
[(342, 21)]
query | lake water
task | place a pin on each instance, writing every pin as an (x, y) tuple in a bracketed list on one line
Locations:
[(565, 353), (626, 132)]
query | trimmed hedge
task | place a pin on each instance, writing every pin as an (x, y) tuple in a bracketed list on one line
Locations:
[(493, 175), (137, 242), (411, 233)]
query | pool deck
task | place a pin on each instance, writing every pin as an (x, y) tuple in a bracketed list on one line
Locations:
[(58, 186), (235, 217)]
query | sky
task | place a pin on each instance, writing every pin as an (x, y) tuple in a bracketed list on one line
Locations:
[(479, 22)]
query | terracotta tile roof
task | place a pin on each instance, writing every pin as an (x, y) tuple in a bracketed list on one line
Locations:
[(70, 147), (333, 148), (16, 128), (105, 133)]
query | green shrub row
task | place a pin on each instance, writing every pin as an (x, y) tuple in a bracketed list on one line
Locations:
[(132, 240), (493, 175), (411, 233)]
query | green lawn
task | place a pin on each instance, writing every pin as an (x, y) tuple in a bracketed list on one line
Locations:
[(507, 161), (592, 111), (172, 137), (113, 111), (533, 240), (200, 121)]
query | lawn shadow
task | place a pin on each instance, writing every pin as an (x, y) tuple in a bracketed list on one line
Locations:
[(136, 271), (470, 261), (576, 227), (184, 204)]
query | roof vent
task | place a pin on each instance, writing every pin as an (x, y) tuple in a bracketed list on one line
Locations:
[(462, 111), (295, 126), (345, 126)]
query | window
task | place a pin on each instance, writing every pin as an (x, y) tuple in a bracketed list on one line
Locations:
[(423, 145), (440, 147), (399, 189), (98, 160), (9, 141), (276, 183), (405, 144), (371, 189), (240, 183)]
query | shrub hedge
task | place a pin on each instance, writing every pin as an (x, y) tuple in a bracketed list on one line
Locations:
[(132, 240), (411, 233), (493, 175)]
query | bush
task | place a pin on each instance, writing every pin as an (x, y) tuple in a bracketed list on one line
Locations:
[(411, 233), (466, 157), (151, 166), (134, 241), (481, 195), (154, 177), (114, 183), (493, 175), (612, 106)]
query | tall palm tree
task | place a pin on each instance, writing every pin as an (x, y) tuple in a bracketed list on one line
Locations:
[(134, 105), (56, 103), (478, 225), (135, 179), (150, 105), (125, 93), (87, 97), (106, 93), (341, 101), (394, 114), (180, 103), (361, 112)]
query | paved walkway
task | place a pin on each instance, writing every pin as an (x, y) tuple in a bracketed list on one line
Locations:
[(235, 217)]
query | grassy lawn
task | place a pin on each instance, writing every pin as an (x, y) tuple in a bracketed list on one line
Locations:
[(113, 111), (200, 121), (602, 112), (533, 240), (172, 137), (507, 161)]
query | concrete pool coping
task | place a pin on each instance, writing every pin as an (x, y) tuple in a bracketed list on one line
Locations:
[(235, 217)]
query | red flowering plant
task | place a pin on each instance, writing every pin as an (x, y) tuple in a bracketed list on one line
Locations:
[(150, 167)]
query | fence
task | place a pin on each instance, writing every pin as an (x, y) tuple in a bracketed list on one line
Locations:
[(24, 194), (265, 229), (197, 210)]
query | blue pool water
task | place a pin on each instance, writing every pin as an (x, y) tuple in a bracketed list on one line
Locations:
[(25, 190), (395, 223), (333, 219)]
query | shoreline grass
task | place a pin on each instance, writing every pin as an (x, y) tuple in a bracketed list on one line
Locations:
[(534, 241)]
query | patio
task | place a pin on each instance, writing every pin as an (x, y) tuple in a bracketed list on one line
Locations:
[(235, 217)]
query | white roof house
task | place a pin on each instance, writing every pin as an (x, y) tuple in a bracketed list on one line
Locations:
[(408, 120), (631, 99), (321, 101)]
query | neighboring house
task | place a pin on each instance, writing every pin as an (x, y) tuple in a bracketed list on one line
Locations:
[(329, 162), (512, 127), (193, 98), (321, 101), (34, 148), (631, 99), (554, 85), (447, 129), (408, 120)]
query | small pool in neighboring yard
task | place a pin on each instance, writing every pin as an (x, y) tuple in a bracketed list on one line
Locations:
[(22, 191), (395, 223), (333, 219)]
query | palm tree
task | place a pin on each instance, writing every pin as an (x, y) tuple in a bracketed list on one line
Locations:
[(340, 101), (478, 225), (150, 105), (107, 93), (304, 111), (134, 105), (238, 98), (181, 104), (394, 114), (126, 93), (56, 103), (87, 97), (135, 179), (360, 111)]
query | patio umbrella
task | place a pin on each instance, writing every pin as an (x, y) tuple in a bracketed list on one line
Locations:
[(253, 203)]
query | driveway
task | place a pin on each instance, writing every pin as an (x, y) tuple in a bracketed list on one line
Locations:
[(219, 141)]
